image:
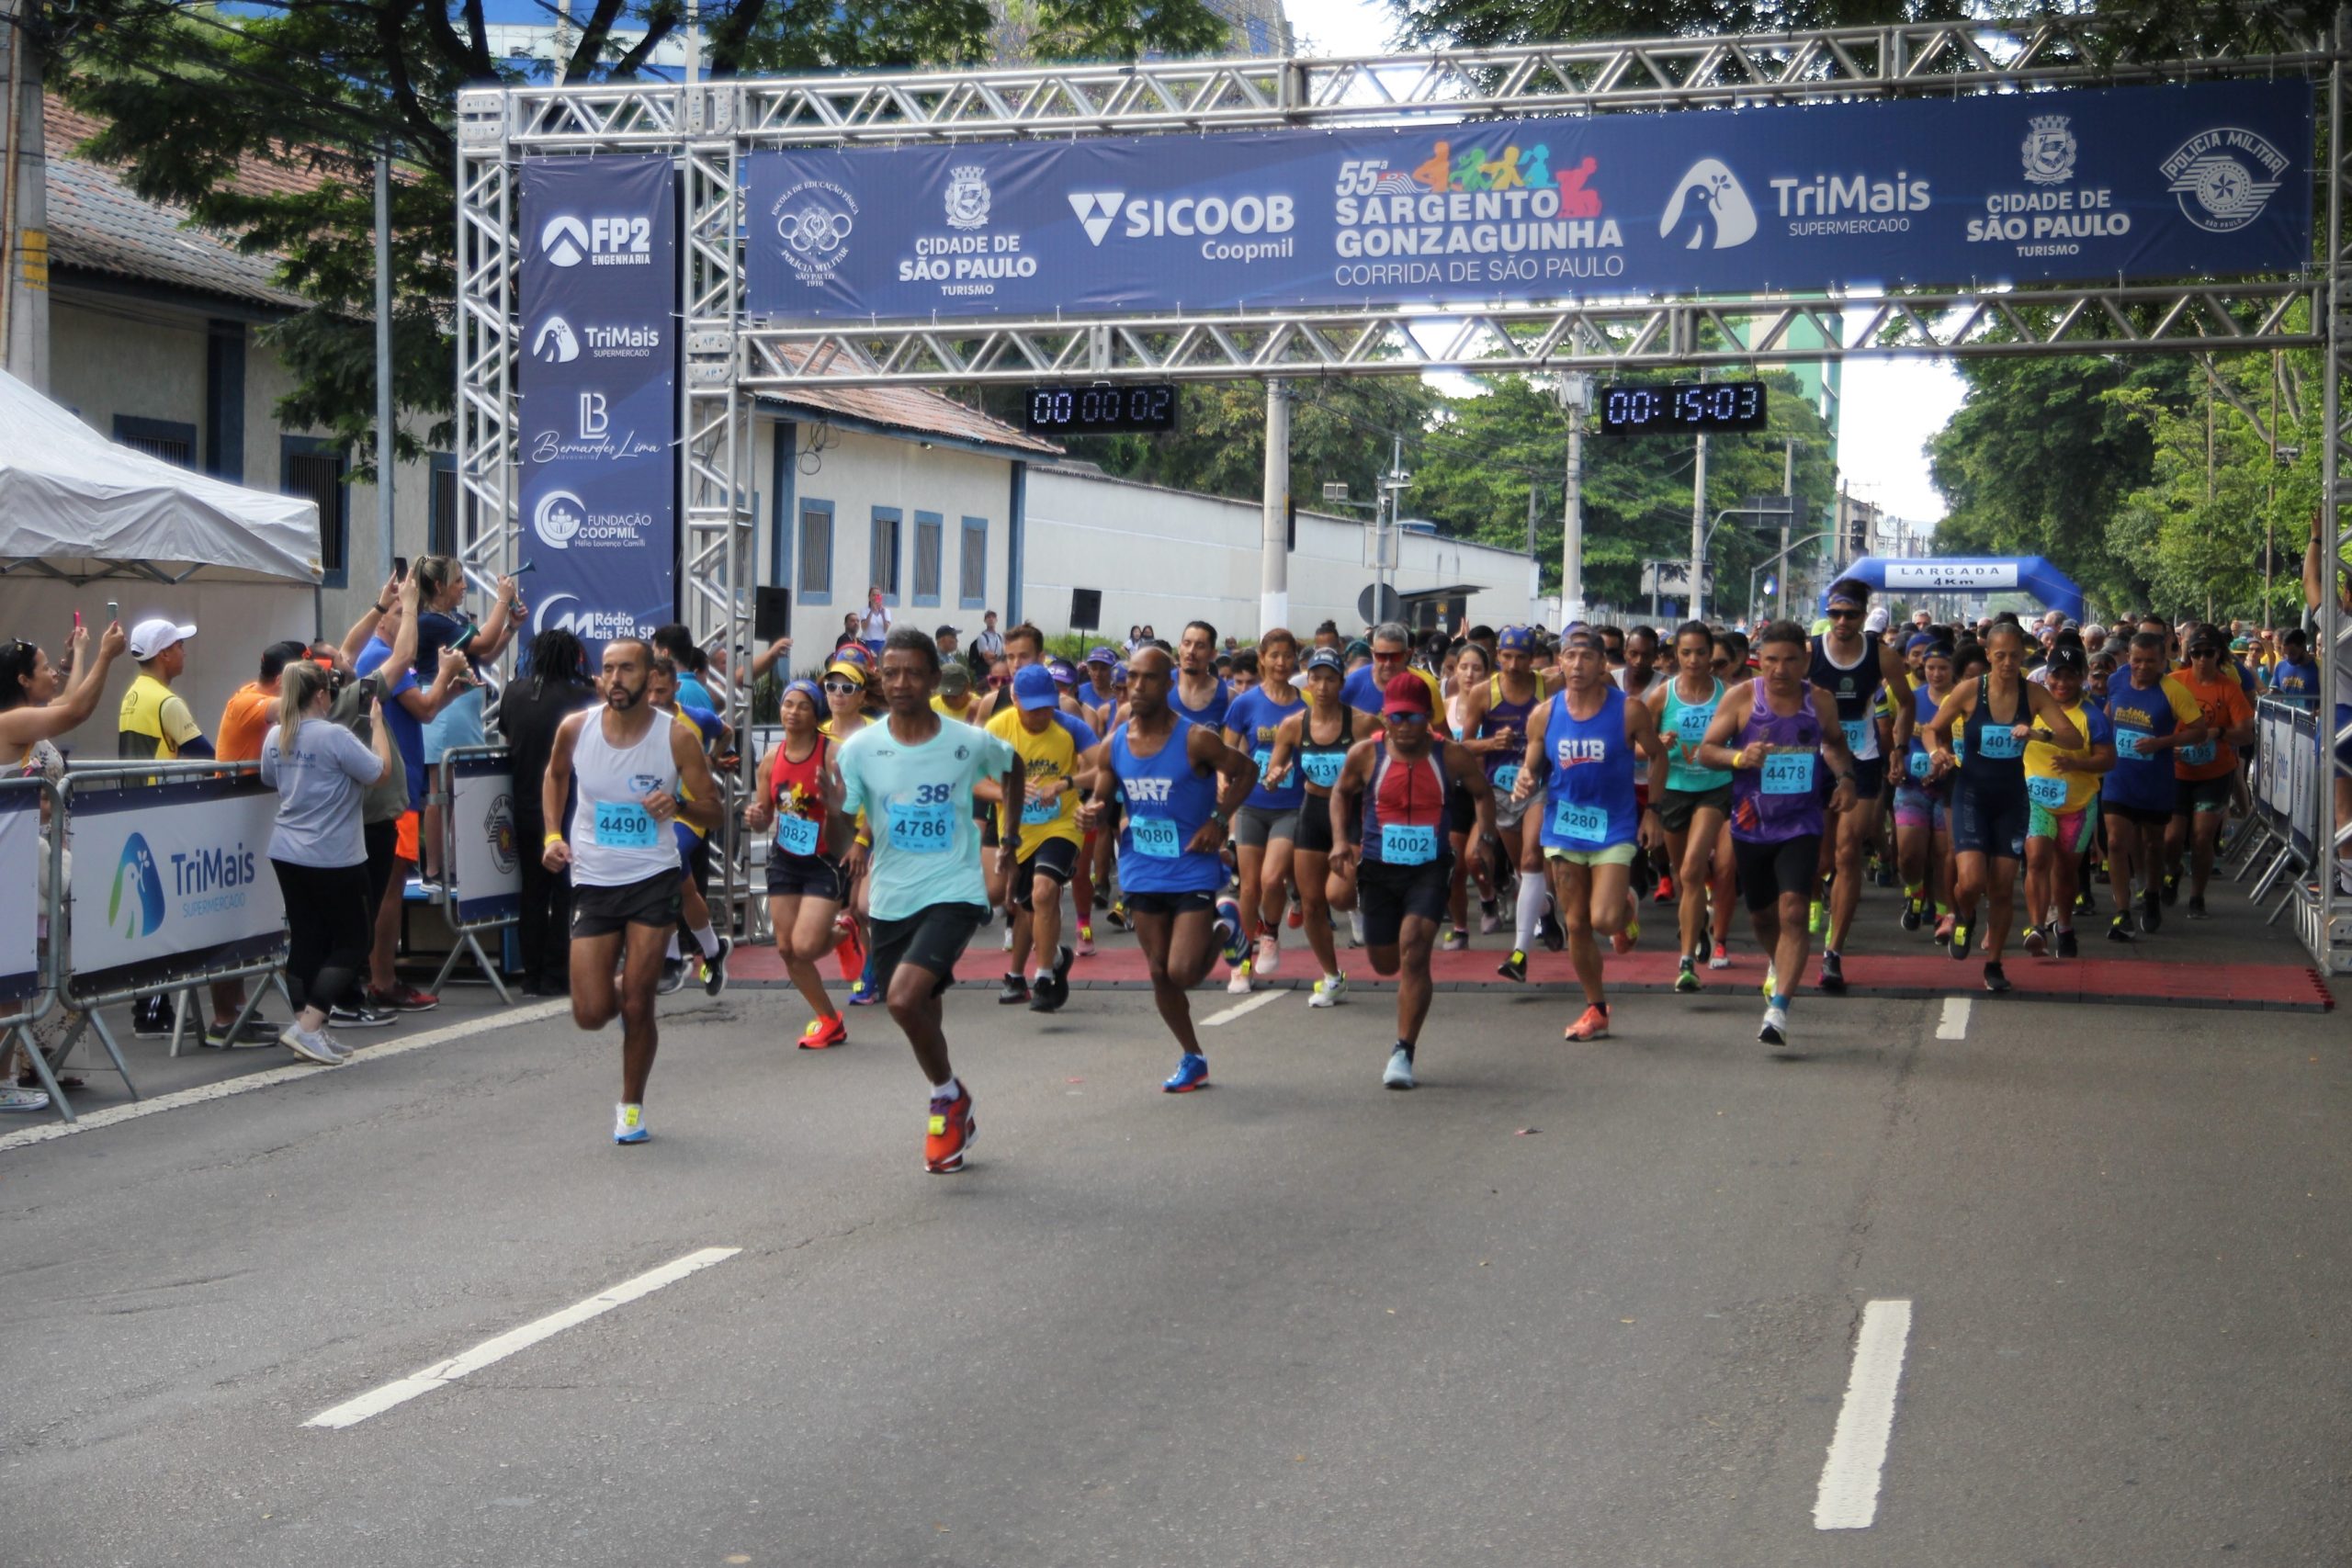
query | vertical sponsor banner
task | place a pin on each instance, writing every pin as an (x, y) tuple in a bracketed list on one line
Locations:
[(598, 395), (488, 881), (21, 853), (171, 878)]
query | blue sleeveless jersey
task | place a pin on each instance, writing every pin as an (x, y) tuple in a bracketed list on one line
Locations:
[(1588, 802), (1166, 804)]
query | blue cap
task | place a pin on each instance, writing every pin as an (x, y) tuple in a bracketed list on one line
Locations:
[(1032, 687), (1515, 639), (1118, 674), (1326, 659), (1060, 669), (1101, 654)]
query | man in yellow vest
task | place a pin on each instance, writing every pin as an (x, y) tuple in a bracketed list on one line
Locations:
[(155, 722)]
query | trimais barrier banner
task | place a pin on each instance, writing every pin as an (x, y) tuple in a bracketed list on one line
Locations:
[(597, 389), (22, 851), (2098, 185), (172, 878)]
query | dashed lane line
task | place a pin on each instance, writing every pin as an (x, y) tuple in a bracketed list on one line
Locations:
[(1954, 1023), (1238, 1009), (1850, 1481)]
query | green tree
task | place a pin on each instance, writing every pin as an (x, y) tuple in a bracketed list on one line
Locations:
[(193, 92)]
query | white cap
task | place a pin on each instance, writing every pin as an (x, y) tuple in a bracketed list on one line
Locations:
[(150, 637), (1876, 620)]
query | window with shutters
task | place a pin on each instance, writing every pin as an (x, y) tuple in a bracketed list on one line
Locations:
[(930, 542), (314, 469), (814, 579)]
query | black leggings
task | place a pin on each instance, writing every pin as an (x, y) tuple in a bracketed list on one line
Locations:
[(329, 928)]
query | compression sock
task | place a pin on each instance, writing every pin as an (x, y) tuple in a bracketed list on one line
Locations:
[(1531, 898), (707, 940)]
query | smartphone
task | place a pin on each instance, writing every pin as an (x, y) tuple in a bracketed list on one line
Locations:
[(400, 568), (114, 612)]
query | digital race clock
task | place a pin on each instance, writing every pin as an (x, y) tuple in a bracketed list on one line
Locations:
[(1101, 410), (1686, 408)]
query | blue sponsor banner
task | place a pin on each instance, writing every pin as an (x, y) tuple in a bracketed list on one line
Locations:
[(598, 396), (2123, 183)]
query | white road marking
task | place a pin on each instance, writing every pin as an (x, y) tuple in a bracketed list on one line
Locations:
[(376, 1400), (1848, 1496), (116, 1116), (1954, 1025), (1238, 1009)]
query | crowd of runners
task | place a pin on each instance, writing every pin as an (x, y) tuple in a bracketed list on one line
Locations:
[(1232, 805)]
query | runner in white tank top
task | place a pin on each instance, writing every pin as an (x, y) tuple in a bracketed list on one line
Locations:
[(636, 772)]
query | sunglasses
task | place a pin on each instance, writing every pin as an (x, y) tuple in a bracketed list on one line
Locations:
[(841, 687), (1836, 614)]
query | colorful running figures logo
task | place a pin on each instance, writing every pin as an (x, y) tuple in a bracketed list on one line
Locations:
[(1452, 168), (1709, 210), (135, 903)]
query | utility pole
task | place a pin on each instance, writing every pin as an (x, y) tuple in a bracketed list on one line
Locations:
[(1392, 536), (1273, 568), (1698, 609), (1789, 489), (384, 361), (24, 202), (1576, 396)]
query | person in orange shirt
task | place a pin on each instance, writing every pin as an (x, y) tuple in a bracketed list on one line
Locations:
[(253, 707), (2203, 772)]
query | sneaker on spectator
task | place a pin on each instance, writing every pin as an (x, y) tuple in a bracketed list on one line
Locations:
[(255, 1030), (362, 1015), (151, 1017), (24, 1100), (311, 1047), (402, 998)]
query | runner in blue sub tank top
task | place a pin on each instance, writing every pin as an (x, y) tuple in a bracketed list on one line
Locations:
[(1580, 748), (1402, 856), (1778, 734), (912, 776), (1171, 838)]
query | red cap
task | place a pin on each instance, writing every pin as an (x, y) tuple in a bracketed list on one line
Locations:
[(1406, 693)]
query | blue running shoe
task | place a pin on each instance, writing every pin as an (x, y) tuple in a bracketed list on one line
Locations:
[(1236, 941), (1191, 1072), (864, 994)]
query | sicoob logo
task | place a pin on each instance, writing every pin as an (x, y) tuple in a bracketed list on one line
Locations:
[(135, 903)]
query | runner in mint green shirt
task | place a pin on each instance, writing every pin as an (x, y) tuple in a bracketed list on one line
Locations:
[(921, 853)]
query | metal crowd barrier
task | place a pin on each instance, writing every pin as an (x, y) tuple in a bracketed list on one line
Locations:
[(481, 857), (169, 889), (2285, 790), (30, 957)]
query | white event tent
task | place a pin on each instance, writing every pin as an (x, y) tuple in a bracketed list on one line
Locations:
[(85, 522)]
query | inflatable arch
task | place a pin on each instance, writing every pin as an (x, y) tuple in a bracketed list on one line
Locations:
[(1972, 574)]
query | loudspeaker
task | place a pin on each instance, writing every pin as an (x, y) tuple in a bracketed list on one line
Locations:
[(1085, 609), (771, 614)]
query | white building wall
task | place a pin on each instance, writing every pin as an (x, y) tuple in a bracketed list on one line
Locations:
[(1164, 557)]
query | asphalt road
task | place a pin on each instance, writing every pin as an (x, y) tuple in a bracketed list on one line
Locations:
[(1565, 1304)]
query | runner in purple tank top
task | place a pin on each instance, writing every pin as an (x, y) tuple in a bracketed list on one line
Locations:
[(1776, 733)]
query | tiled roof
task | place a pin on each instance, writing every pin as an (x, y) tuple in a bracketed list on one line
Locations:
[(98, 224), (915, 411)]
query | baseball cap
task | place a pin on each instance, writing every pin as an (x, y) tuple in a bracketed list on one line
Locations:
[(946, 631), (848, 671), (954, 678), (1118, 674), (2069, 656), (853, 653), (1101, 653), (1060, 672), (150, 637), (1326, 659), (1876, 620), (1406, 693), (1032, 687), (1515, 639)]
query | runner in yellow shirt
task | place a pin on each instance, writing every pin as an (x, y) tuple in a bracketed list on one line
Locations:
[(1052, 745), (2062, 786)]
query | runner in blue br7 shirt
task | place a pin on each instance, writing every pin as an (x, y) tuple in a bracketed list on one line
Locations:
[(912, 776), (1403, 856), (1580, 748), (637, 772), (1170, 839)]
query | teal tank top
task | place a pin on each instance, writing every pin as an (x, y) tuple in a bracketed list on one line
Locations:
[(1685, 725)]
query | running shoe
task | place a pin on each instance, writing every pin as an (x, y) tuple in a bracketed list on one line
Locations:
[(1914, 911), (1626, 940), (1297, 916), (1686, 976), (1961, 932), (1455, 940), (24, 1100), (1236, 942), (2084, 904), (823, 1034), (1771, 978), (255, 1030), (1813, 921), (1513, 968), (1116, 916), (1237, 983), (1355, 928), (403, 997), (1665, 894), (1015, 990), (2067, 946), (1490, 916), (1775, 1032), (2036, 944), (673, 977), (1994, 980), (1269, 956), (1590, 1024), (713, 968), (2152, 910), (151, 1017), (1551, 933), (1008, 936), (359, 1015), (309, 1045), (1401, 1070), (1832, 977), (952, 1133), (1052, 988), (1329, 991), (1720, 958), (628, 1124), (2119, 929), (1086, 948), (1191, 1072), (1944, 924), (2197, 906), (849, 953), (2172, 887), (864, 994)]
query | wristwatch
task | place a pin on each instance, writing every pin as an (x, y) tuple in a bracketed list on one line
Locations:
[(1225, 823)]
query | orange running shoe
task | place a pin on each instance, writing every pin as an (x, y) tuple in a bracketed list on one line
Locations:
[(823, 1034), (952, 1132), (1592, 1025), (849, 953)]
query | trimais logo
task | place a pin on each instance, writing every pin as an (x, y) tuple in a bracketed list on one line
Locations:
[(1097, 210), (555, 342), (135, 903), (1709, 205)]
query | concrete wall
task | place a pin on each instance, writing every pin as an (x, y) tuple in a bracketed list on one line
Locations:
[(1163, 557)]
